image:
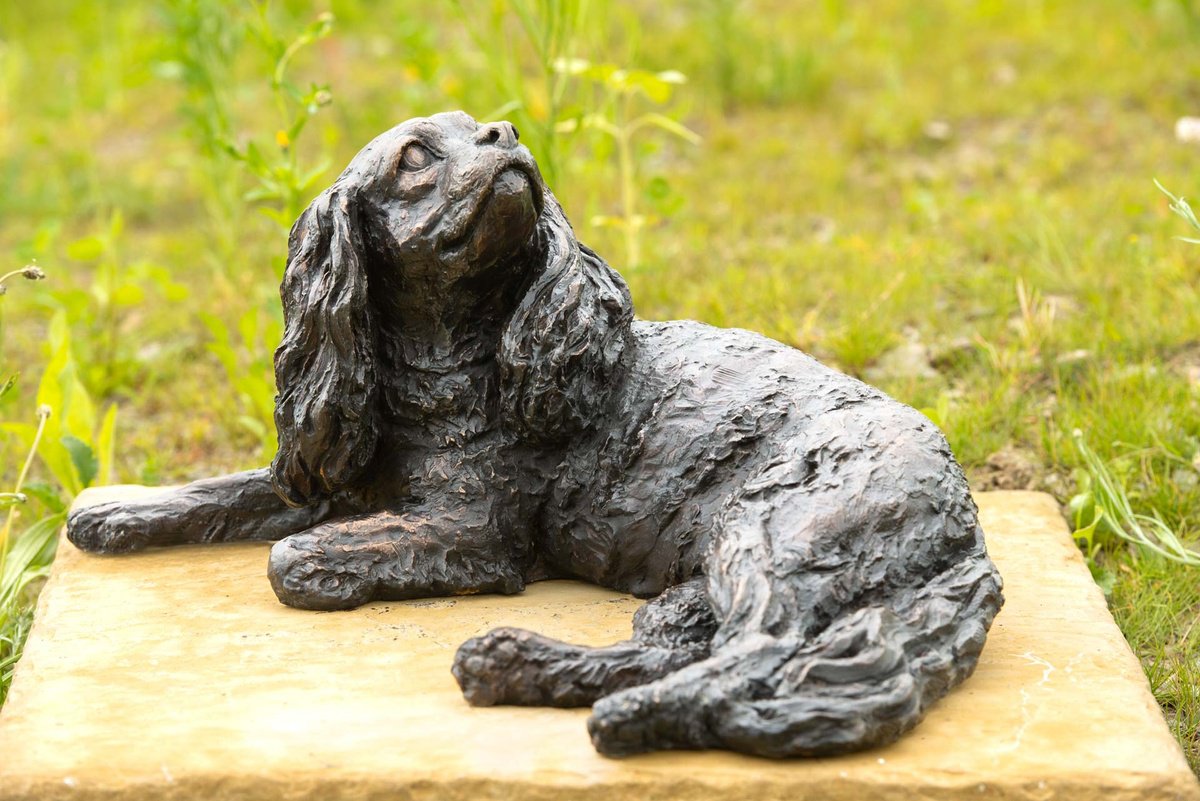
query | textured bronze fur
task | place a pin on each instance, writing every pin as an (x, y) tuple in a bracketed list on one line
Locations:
[(466, 404)]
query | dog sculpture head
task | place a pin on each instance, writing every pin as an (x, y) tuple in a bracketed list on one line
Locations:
[(442, 199)]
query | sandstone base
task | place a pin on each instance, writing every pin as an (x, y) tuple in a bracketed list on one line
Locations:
[(175, 674)]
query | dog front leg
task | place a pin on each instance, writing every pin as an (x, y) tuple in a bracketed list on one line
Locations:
[(240, 506), (416, 553)]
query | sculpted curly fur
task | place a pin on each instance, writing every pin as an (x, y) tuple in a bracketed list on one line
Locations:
[(466, 404)]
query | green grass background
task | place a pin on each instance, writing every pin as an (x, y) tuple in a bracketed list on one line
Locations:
[(953, 199)]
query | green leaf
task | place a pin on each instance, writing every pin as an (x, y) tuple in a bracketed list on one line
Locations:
[(1181, 207), (319, 28), (1104, 578), (602, 74), (649, 84), (31, 551), (1087, 534), (671, 126), (261, 194), (51, 393), (279, 216), (175, 292), (106, 444), (1081, 506), (89, 248), (129, 295), (1111, 497), (221, 346), (116, 225), (83, 458), (57, 459), (309, 178), (658, 188), (571, 66), (22, 431), (254, 158), (600, 123), (503, 111), (168, 70), (232, 150), (61, 388), (253, 425), (247, 327), (46, 494)]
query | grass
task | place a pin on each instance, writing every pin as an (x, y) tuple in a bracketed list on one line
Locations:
[(968, 182)]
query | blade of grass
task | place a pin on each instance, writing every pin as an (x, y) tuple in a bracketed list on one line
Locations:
[(1147, 531)]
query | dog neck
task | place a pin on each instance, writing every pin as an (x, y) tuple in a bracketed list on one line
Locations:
[(432, 323), (438, 338)]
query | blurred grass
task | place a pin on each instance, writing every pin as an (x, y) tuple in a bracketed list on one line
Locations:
[(967, 183)]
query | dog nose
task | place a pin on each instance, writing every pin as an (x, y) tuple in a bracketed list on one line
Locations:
[(501, 134)]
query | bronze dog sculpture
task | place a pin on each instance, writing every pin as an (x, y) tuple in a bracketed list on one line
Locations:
[(466, 404)]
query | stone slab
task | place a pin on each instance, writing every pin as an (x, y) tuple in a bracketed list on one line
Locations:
[(175, 674)]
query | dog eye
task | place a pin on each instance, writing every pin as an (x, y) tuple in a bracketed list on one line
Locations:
[(415, 158)]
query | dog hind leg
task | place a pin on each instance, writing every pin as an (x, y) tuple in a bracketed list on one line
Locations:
[(851, 589), (864, 681), (513, 666)]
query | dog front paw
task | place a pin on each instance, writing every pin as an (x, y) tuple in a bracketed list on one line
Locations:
[(305, 576), (107, 528)]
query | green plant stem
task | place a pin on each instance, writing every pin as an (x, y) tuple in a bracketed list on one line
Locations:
[(43, 416), (623, 132), (632, 245), (111, 326)]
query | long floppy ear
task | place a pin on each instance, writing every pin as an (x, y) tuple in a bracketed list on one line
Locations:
[(561, 348), (325, 409)]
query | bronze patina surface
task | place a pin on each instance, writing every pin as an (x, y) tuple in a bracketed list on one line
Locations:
[(466, 405)]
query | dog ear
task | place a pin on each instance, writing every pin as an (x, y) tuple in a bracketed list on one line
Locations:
[(325, 367), (561, 347)]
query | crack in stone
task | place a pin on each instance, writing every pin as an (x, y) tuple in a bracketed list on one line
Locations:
[(1027, 712)]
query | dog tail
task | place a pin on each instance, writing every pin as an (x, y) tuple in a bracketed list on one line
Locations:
[(867, 678)]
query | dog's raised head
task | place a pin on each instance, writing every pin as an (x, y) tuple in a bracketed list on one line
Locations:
[(446, 194), (436, 199)]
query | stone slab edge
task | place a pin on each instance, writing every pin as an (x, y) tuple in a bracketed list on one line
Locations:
[(643, 777)]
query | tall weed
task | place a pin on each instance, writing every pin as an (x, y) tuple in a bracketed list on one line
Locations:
[(623, 109), (245, 354), (1103, 507), (283, 180), (119, 287), (76, 445), (198, 51), (524, 42)]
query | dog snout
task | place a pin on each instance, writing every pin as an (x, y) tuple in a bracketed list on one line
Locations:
[(500, 134)]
